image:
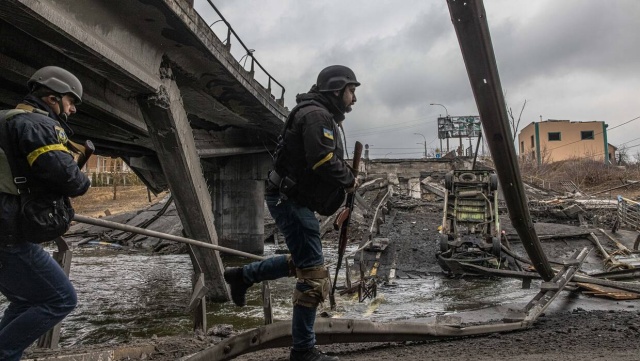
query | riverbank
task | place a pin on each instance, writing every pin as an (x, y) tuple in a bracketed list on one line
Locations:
[(99, 201)]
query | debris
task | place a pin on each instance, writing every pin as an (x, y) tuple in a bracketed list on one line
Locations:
[(609, 292)]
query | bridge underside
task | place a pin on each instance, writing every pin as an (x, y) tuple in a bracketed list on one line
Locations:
[(166, 95)]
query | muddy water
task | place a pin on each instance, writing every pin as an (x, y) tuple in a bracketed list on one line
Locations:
[(124, 296)]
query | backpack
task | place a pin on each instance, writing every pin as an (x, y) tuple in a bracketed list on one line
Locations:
[(310, 190), (6, 179)]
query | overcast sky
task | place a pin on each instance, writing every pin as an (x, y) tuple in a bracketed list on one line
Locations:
[(571, 59)]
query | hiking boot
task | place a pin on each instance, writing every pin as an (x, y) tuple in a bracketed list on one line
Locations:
[(233, 276), (312, 354)]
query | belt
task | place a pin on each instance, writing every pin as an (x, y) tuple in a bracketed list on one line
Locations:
[(274, 179)]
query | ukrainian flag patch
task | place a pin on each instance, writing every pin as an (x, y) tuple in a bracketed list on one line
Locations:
[(327, 133)]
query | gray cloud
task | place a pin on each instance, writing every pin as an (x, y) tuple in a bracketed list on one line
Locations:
[(571, 59)]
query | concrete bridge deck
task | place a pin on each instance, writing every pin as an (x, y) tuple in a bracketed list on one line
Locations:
[(163, 92)]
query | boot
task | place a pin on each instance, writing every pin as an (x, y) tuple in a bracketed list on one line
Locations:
[(312, 354), (233, 276)]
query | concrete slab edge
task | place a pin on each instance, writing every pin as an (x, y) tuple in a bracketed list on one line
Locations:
[(115, 354)]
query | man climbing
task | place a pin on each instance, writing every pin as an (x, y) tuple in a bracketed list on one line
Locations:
[(310, 175)]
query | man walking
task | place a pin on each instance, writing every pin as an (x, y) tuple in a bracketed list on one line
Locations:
[(309, 175), (35, 138)]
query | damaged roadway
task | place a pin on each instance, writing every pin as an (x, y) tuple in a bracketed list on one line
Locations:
[(576, 326)]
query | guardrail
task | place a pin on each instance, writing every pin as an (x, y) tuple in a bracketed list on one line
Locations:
[(628, 213), (247, 55)]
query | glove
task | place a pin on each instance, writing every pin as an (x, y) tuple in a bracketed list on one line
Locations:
[(354, 186)]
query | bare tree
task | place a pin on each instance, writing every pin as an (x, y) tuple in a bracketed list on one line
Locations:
[(623, 155), (516, 124)]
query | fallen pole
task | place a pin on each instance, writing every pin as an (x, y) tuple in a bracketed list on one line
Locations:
[(472, 29), (169, 237), (329, 331)]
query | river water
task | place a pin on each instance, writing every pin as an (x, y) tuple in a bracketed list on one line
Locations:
[(125, 295)]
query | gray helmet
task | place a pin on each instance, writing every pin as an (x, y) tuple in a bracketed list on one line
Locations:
[(58, 80), (335, 77)]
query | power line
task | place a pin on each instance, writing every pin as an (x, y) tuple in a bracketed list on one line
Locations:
[(374, 147), (394, 127), (421, 152)]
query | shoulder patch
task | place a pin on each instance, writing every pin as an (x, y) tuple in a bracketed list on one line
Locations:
[(328, 133), (62, 136)]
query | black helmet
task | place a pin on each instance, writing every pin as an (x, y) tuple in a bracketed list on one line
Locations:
[(58, 80), (335, 77)]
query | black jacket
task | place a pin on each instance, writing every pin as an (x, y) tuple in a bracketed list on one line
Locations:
[(40, 148), (313, 153)]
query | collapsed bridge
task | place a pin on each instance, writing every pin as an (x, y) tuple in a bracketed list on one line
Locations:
[(165, 94)]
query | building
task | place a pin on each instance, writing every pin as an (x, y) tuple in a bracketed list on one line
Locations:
[(555, 140), (100, 164)]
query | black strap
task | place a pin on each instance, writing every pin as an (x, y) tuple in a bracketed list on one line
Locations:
[(293, 113), (287, 125), (9, 146)]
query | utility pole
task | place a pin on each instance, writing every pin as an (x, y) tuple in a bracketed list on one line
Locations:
[(425, 144)]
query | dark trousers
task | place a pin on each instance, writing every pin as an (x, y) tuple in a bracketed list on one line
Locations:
[(301, 230), (39, 293)]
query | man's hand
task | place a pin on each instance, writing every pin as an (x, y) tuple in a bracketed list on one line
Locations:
[(354, 186)]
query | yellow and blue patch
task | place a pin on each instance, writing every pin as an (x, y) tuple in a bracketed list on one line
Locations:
[(328, 133), (62, 136)]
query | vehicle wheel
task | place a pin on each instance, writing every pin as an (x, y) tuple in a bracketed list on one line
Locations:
[(493, 182), (496, 247), (444, 243), (467, 177), (448, 181)]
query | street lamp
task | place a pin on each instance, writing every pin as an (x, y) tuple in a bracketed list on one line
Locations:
[(445, 108), (446, 111), (425, 144)]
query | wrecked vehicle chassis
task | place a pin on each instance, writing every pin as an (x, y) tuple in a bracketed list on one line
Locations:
[(470, 230)]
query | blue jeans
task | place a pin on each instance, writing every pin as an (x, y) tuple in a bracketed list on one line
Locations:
[(39, 293), (301, 230)]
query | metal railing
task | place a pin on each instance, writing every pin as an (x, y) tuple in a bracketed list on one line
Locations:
[(628, 212), (247, 55)]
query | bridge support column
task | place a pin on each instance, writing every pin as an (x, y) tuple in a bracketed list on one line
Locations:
[(173, 141), (237, 193)]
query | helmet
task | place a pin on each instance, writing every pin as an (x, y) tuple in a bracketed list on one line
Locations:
[(58, 80), (335, 77)]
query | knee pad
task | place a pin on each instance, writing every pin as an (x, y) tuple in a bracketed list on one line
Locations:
[(316, 284)]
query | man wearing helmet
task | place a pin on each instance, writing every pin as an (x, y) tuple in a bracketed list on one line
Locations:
[(309, 175), (33, 138)]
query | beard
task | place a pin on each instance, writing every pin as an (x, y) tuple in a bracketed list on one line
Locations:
[(348, 109)]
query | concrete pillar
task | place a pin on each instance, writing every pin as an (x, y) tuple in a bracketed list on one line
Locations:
[(173, 141), (236, 186)]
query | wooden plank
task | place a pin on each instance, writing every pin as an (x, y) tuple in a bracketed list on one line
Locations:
[(609, 292)]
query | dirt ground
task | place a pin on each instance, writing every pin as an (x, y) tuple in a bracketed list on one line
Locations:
[(576, 334), (98, 201)]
